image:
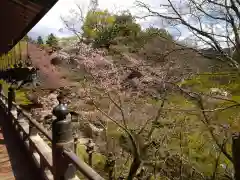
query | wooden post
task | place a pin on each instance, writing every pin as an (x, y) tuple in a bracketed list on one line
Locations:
[(11, 98), (14, 51), (1, 88), (20, 52), (236, 155), (62, 139), (1, 92), (75, 144), (7, 60), (33, 132), (110, 165), (32, 129), (90, 150), (12, 111)]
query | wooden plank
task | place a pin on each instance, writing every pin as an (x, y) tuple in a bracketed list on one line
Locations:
[(45, 152), (42, 148), (14, 160), (5, 164)]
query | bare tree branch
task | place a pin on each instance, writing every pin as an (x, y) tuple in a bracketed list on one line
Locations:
[(204, 12)]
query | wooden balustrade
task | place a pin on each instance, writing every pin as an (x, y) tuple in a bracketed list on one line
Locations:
[(56, 161)]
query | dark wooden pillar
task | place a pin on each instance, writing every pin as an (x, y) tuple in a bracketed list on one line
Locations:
[(90, 150), (62, 139), (236, 155), (1, 88), (11, 98)]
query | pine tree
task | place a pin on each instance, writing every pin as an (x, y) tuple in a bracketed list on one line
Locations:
[(40, 40), (52, 41)]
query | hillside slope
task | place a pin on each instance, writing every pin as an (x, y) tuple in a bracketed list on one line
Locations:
[(50, 77)]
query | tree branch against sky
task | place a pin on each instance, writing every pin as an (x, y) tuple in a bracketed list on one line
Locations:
[(203, 23), (74, 20), (212, 24)]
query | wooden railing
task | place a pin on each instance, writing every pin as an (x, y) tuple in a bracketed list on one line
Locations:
[(54, 160)]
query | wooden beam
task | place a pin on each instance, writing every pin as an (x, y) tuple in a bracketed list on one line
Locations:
[(28, 6)]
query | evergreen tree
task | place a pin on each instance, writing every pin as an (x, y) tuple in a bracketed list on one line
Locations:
[(39, 40), (52, 40)]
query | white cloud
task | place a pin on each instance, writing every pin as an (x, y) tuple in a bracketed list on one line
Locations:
[(52, 22)]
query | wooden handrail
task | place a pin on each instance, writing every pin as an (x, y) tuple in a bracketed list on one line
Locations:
[(39, 127), (57, 159), (36, 124), (86, 170)]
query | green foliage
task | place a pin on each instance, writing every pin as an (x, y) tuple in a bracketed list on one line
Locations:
[(236, 56), (52, 41), (40, 40), (195, 152), (105, 29), (123, 26), (181, 134), (98, 159), (126, 25), (81, 152), (96, 22), (21, 97), (150, 34), (102, 27), (104, 38), (156, 32), (228, 81)]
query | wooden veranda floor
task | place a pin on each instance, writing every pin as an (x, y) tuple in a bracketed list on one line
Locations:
[(14, 162)]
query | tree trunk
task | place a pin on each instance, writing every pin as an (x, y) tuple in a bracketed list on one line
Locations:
[(134, 167)]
